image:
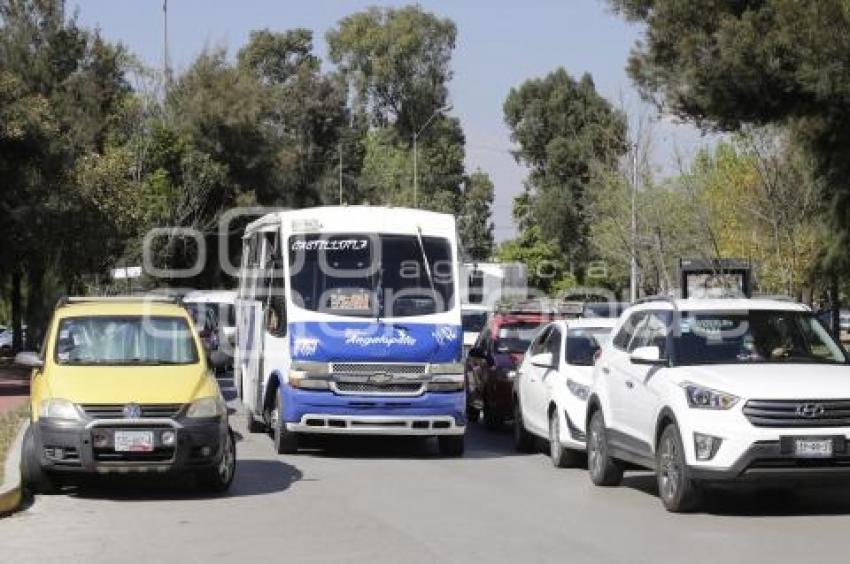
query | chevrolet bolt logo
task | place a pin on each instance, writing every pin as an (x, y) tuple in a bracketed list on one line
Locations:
[(380, 378), (810, 410), (132, 411)]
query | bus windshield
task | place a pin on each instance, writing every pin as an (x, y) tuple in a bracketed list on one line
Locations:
[(371, 275)]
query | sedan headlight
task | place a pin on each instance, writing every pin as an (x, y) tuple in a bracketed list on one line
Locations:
[(700, 397), (56, 408), (207, 407), (578, 390)]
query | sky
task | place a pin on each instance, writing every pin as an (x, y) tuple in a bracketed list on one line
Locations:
[(500, 44)]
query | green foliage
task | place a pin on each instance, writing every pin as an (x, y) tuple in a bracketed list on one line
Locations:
[(731, 63), (543, 259), (397, 61), (475, 225), (564, 129)]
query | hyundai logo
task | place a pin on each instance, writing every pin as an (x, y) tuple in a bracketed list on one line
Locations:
[(810, 410), (132, 411)]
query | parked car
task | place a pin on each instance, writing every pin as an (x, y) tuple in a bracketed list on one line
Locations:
[(490, 366), (215, 317), (553, 384), (716, 390), (7, 335), (123, 386)]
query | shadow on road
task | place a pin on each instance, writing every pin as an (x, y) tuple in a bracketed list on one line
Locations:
[(748, 500), (253, 478)]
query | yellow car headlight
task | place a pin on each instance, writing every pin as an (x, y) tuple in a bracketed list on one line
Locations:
[(207, 407), (57, 408)]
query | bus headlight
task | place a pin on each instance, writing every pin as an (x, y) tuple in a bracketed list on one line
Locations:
[(303, 380), (446, 383)]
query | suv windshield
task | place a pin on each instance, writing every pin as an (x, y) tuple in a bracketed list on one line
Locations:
[(516, 337), (369, 275), (755, 336), (125, 341)]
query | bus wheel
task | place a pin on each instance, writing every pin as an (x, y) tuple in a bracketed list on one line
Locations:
[(285, 441)]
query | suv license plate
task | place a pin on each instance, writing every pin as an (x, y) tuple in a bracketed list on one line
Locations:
[(813, 448), (133, 441)]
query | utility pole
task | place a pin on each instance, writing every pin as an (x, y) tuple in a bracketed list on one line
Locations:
[(633, 285), (416, 135), (166, 67)]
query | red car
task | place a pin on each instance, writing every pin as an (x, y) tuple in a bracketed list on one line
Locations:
[(491, 364)]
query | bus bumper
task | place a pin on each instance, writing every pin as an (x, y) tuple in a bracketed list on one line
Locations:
[(327, 413)]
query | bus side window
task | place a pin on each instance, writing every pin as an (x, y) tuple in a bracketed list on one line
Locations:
[(274, 287)]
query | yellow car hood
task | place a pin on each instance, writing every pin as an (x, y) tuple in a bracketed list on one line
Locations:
[(125, 384)]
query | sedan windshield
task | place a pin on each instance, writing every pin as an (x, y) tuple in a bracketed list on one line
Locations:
[(584, 342), (369, 275), (516, 337), (755, 336), (136, 340)]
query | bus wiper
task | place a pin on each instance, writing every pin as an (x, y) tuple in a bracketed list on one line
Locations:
[(425, 259)]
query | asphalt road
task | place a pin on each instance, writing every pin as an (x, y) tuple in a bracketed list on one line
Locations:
[(377, 500)]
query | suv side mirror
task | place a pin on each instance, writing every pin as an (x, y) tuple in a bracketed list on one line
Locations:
[(543, 360), (649, 356), (29, 359)]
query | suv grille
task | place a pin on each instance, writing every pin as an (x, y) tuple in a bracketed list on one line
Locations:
[(798, 413), (411, 388), (116, 411), (368, 369)]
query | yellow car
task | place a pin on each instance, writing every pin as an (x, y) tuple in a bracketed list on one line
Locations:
[(123, 385)]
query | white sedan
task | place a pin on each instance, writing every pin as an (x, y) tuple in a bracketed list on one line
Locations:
[(553, 385)]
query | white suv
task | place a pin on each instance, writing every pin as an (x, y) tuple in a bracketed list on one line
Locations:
[(706, 391)]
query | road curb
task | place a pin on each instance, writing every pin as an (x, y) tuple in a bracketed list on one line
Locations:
[(11, 493)]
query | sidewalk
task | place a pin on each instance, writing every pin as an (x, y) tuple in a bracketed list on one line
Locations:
[(14, 387)]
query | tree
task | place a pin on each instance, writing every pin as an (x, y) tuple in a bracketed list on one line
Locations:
[(563, 128), (733, 63), (475, 224), (396, 61), (542, 258)]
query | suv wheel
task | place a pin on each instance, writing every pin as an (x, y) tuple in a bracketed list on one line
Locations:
[(285, 441), (218, 479), (677, 491), (562, 457), (35, 478), (523, 440), (604, 470)]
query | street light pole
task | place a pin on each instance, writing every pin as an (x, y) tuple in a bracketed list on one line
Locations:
[(416, 135), (633, 286)]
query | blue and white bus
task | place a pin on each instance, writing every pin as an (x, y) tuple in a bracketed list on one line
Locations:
[(348, 322)]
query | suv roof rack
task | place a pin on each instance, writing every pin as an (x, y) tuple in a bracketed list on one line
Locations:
[(67, 300)]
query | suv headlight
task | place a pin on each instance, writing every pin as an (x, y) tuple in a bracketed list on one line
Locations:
[(446, 368), (578, 390), (700, 397), (207, 407), (446, 383), (56, 408)]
